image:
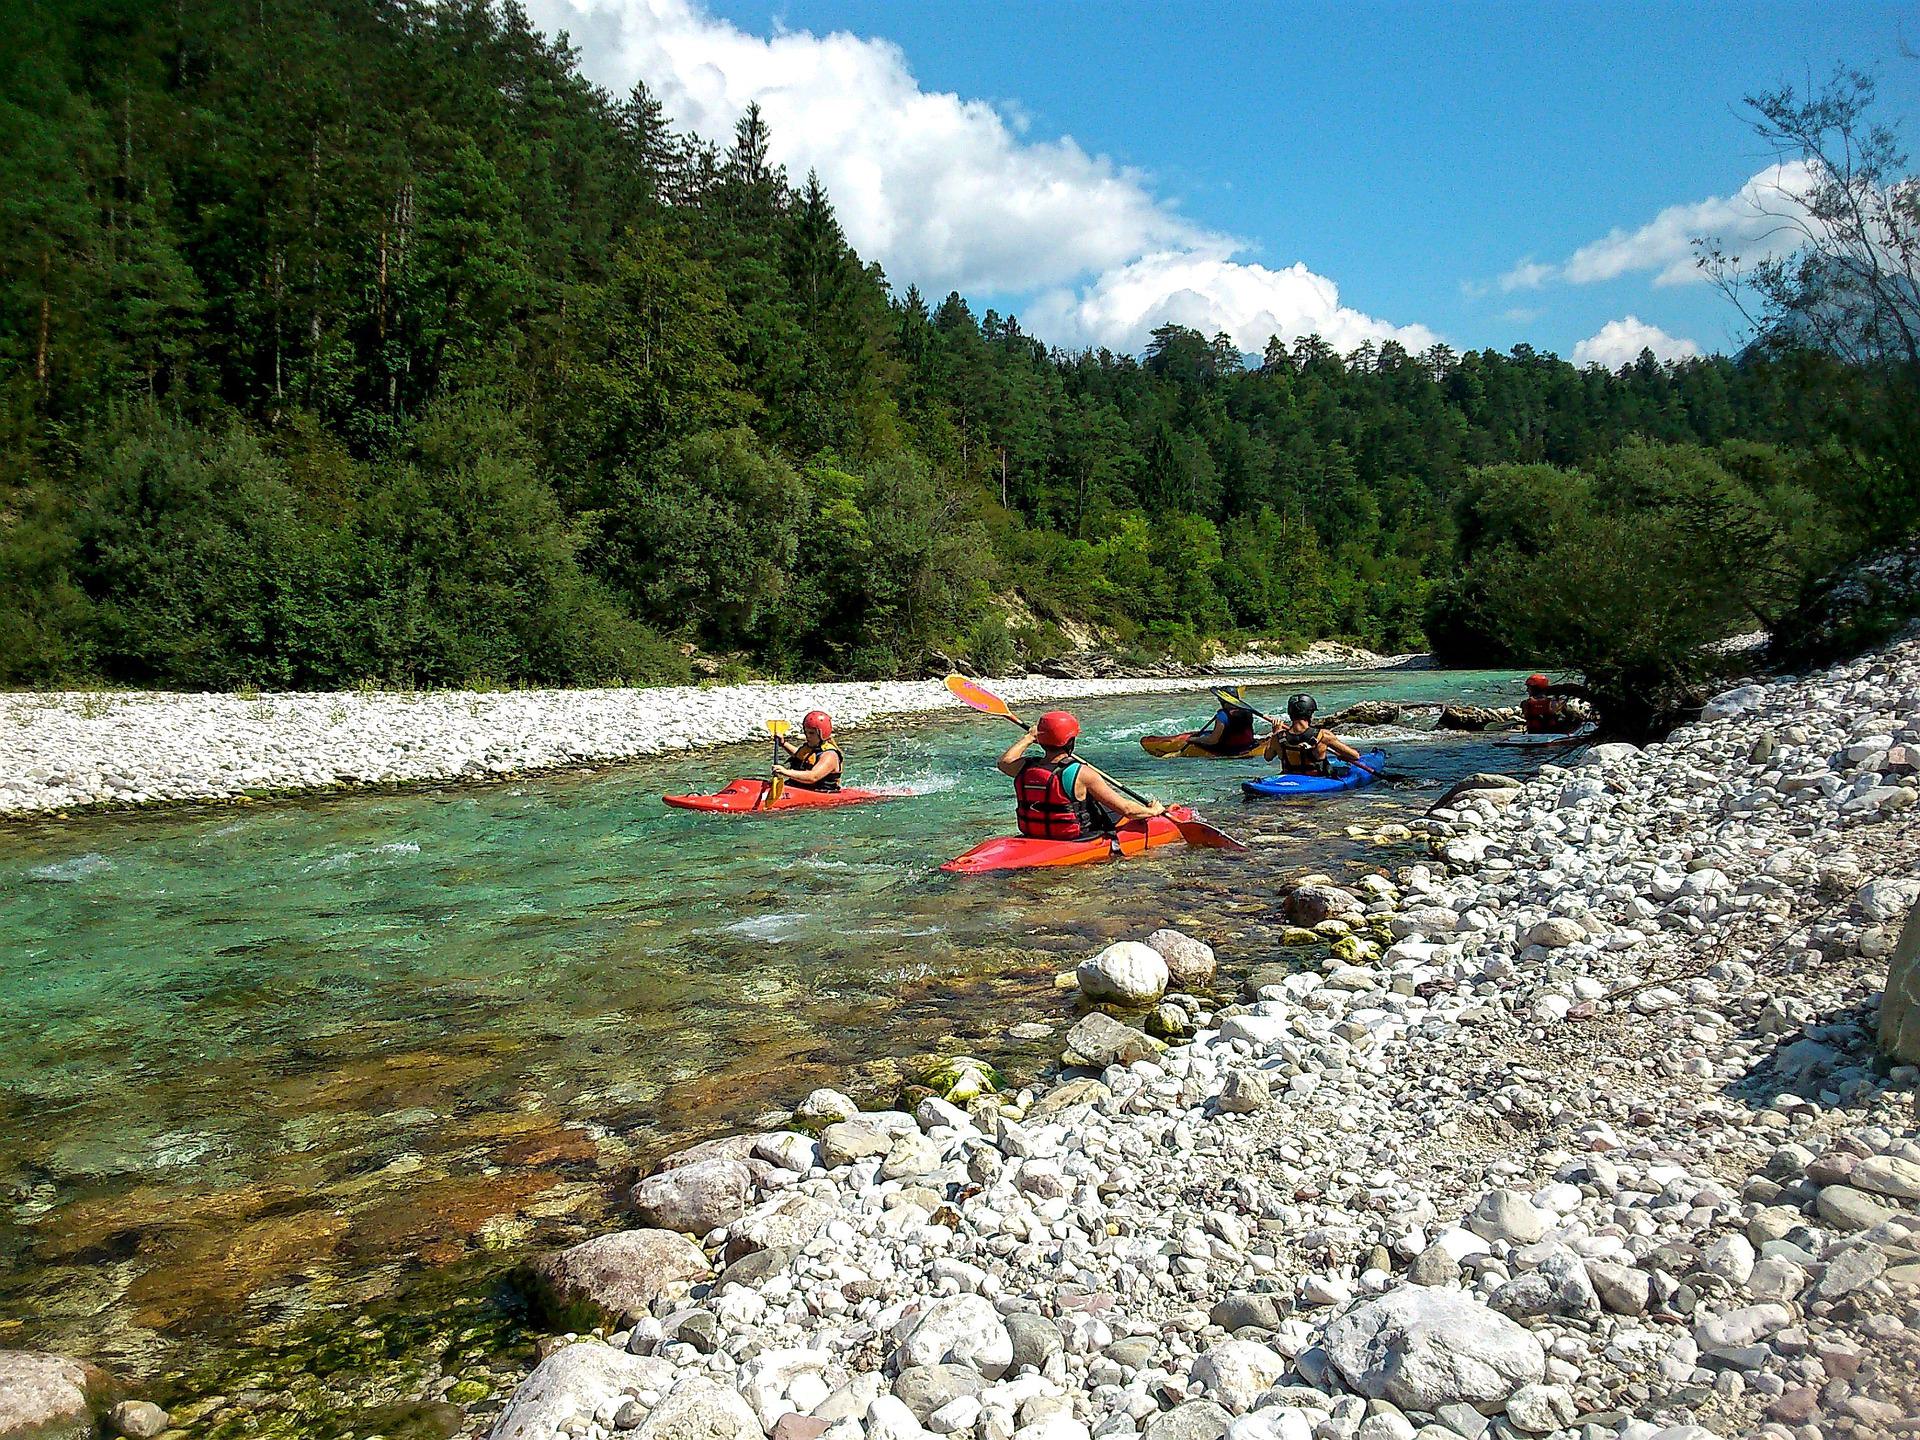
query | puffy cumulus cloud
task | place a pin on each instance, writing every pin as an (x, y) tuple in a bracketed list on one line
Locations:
[(1619, 342), (940, 189), (1761, 218), (1764, 217), (948, 192), (1211, 292)]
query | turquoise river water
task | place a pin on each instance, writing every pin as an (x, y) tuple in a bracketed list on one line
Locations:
[(259, 1065)]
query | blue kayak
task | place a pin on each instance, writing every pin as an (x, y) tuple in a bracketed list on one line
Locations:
[(1349, 777)]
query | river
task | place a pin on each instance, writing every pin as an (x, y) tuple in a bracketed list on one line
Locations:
[(270, 1070)]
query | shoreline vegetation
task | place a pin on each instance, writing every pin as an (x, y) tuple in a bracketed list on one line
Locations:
[(66, 751), (523, 385)]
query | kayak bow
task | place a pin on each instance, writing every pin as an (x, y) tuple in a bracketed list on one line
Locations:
[(747, 796), (1021, 852)]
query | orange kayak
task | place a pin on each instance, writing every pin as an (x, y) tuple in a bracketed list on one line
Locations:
[(741, 797), (1167, 747), (1021, 852)]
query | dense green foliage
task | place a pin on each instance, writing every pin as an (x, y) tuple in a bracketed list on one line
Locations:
[(364, 339), (1628, 573)]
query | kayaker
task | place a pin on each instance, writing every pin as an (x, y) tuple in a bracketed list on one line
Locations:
[(816, 759), (1230, 732), (1544, 711), (1303, 746), (1057, 795)]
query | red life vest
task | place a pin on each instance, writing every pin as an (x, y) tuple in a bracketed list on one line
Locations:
[(1236, 731), (1044, 803), (1543, 714)]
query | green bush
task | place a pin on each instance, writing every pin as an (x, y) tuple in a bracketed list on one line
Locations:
[(989, 646)]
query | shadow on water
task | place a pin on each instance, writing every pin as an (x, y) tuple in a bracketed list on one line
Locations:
[(270, 1066)]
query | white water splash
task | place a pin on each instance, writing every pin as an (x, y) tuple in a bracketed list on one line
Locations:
[(71, 872), (345, 859), (771, 928)]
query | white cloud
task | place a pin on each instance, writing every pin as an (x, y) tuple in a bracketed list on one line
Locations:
[(1211, 293), (1762, 218), (1755, 221), (949, 192), (1527, 275), (1619, 342), (938, 187)]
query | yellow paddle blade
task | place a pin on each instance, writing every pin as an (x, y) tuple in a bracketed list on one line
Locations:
[(776, 787), (971, 692), (778, 727)]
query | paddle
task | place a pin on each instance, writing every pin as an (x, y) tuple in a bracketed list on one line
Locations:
[(1194, 831), (776, 782)]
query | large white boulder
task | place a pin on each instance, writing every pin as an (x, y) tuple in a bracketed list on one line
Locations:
[(1189, 961), (698, 1409), (612, 1276), (1423, 1348), (50, 1395), (1127, 972), (959, 1330), (1238, 1372), (694, 1198), (1730, 703), (577, 1380)]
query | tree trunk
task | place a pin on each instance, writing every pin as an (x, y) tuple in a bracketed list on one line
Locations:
[(46, 320)]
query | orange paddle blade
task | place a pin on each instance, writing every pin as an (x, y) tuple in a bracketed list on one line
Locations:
[(972, 692)]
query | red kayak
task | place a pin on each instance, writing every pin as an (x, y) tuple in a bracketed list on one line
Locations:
[(1018, 852), (741, 797)]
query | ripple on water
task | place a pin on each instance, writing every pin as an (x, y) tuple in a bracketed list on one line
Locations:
[(771, 928), (1165, 725), (72, 872), (346, 859)]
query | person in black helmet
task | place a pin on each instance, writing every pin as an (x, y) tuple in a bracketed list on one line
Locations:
[(1302, 748)]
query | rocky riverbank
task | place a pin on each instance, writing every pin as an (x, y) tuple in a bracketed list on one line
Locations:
[(1575, 1130), (1323, 655), (70, 750)]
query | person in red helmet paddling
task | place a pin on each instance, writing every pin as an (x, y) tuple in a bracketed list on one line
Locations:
[(1057, 795), (1544, 711), (816, 759)]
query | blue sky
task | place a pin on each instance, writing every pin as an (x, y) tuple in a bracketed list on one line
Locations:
[(1233, 165)]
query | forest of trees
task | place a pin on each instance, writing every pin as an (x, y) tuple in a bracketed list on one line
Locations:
[(365, 340)]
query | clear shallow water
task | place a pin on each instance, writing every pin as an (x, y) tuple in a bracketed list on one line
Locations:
[(257, 1063)]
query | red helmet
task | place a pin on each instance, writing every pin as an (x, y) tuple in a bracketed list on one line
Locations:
[(820, 723), (1056, 729), (1536, 682)]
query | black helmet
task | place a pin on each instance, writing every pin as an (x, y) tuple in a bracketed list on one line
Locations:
[(1301, 707)]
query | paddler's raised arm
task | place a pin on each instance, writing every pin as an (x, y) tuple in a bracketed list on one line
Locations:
[(1009, 763)]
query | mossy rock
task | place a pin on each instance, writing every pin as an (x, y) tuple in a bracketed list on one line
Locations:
[(1356, 950), (961, 1078)]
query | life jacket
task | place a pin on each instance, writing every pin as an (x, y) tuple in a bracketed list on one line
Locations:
[(1303, 752), (1235, 731), (807, 756), (1045, 806), (1544, 714)]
